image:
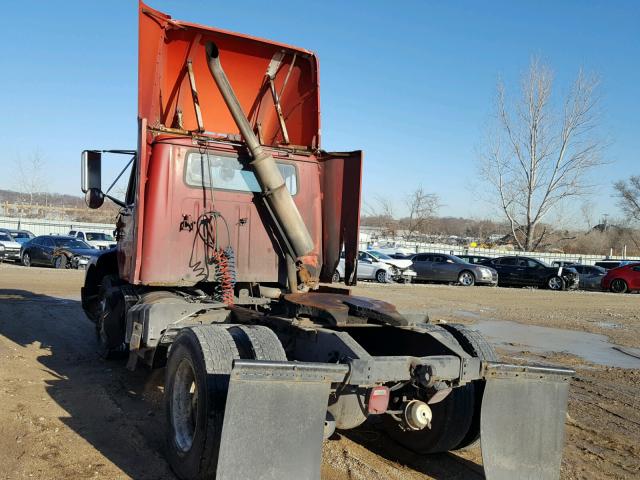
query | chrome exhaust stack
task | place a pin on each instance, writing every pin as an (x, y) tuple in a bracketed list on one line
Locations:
[(278, 199)]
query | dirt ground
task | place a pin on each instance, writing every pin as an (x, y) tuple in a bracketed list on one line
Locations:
[(67, 413)]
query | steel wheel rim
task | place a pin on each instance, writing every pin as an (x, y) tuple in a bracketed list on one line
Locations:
[(184, 405), (465, 279), (555, 283)]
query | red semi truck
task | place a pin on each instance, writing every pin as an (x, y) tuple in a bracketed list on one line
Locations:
[(232, 219)]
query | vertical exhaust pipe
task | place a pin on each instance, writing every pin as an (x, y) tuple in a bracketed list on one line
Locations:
[(279, 200)]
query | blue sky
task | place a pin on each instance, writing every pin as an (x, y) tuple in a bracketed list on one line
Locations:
[(411, 83)]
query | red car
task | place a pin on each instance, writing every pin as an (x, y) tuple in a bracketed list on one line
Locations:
[(622, 279)]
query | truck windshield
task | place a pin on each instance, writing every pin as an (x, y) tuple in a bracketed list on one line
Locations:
[(102, 237), (229, 174)]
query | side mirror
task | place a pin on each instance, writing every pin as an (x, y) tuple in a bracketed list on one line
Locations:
[(91, 168), (94, 198)]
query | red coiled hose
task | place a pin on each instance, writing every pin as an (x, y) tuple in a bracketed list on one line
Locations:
[(224, 276)]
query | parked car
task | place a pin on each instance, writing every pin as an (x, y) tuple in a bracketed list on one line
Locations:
[(609, 264), (475, 259), (531, 272), (100, 240), (440, 267), (20, 236), (589, 276), (378, 266), (401, 256), (622, 279), (9, 248), (57, 251), (563, 263)]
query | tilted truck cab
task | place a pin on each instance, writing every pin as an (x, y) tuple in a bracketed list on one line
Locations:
[(233, 218)]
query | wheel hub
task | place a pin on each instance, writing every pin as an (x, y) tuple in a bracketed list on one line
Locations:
[(184, 406)]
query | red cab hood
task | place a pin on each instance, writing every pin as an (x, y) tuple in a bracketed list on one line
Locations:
[(166, 46)]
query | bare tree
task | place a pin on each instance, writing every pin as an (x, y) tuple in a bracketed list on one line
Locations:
[(380, 214), (538, 156), (587, 214), (422, 207), (30, 175), (628, 193)]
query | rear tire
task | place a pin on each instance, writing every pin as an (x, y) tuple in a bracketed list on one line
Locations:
[(619, 286), (196, 385), (197, 381), (452, 419), (477, 346), (335, 277), (456, 419)]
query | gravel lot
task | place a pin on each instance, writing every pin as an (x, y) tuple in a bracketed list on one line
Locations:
[(67, 413)]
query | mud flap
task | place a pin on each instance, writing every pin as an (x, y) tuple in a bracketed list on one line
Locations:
[(274, 420), (522, 421)]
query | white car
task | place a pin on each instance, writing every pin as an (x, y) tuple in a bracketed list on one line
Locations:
[(9, 248), (99, 240), (373, 265)]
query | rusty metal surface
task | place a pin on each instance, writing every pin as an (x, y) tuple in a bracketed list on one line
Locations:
[(167, 198), (165, 45), (328, 187), (340, 180), (340, 309)]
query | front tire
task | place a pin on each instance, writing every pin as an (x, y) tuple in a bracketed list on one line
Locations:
[(335, 278), (466, 278), (619, 286), (556, 283), (60, 261), (110, 321), (26, 259), (381, 276)]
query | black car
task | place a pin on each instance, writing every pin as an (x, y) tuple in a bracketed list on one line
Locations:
[(531, 272), (57, 251)]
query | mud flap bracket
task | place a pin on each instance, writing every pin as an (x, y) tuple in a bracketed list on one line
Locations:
[(274, 419)]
